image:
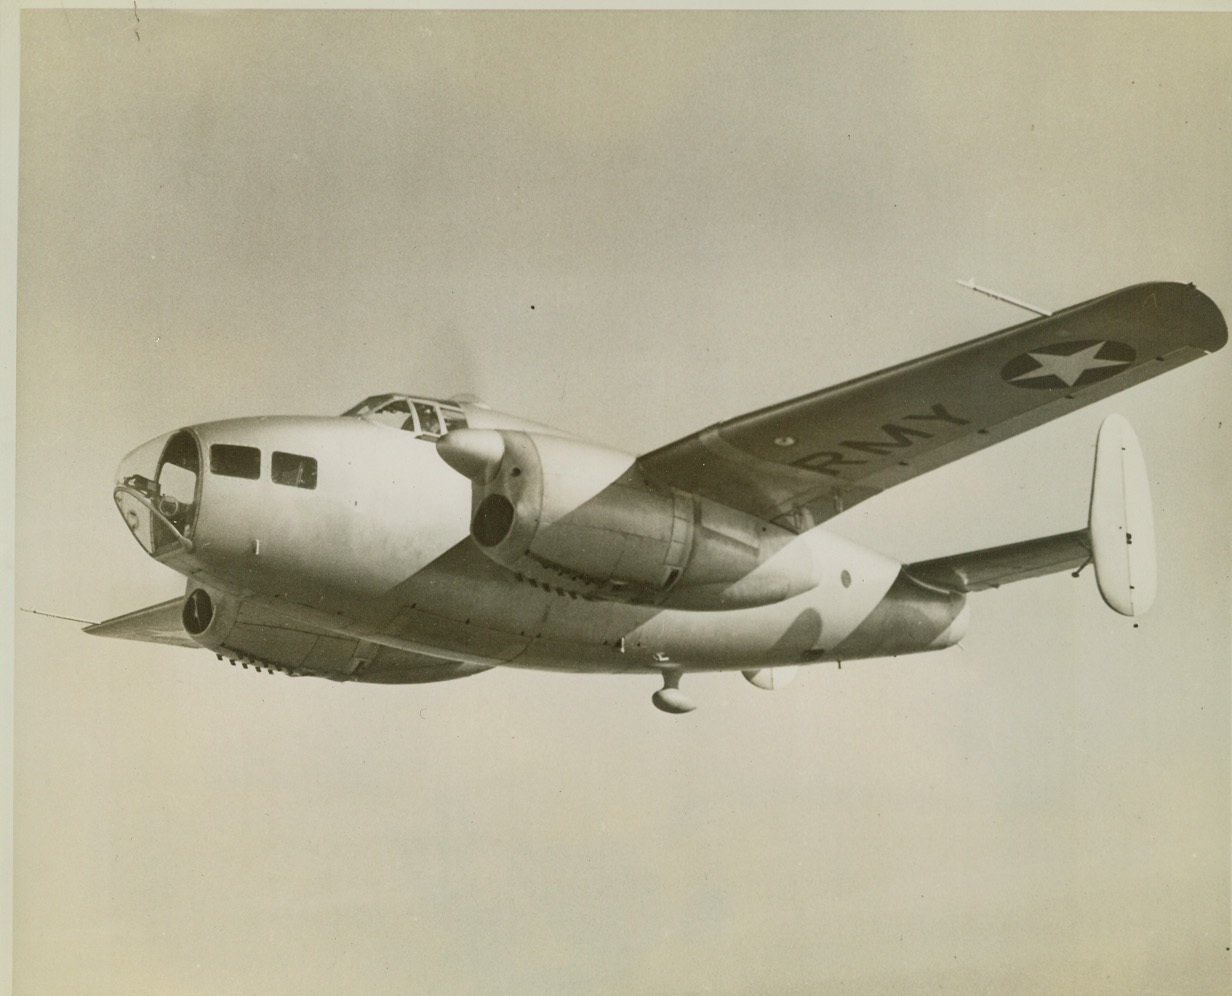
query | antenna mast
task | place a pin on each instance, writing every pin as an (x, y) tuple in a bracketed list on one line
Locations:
[(972, 285)]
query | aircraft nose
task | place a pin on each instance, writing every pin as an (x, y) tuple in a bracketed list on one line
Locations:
[(141, 465), (155, 492)]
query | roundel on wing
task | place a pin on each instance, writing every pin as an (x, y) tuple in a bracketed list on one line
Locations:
[(1068, 364)]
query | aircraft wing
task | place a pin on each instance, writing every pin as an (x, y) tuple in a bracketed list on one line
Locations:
[(264, 636), (803, 461), (153, 624)]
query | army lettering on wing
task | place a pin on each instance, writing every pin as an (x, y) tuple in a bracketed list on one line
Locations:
[(939, 414), (825, 461), (897, 437)]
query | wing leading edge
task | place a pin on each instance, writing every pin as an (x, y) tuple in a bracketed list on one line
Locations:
[(266, 637), (803, 461), (154, 624)]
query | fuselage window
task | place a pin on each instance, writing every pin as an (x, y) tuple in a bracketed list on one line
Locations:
[(398, 407), (429, 420), (297, 471), (235, 461), (453, 419)]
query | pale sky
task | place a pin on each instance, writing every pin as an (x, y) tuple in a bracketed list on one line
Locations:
[(632, 225)]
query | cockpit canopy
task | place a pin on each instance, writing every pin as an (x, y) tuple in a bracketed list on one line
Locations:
[(425, 417)]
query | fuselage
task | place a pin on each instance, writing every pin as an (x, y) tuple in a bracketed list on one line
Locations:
[(355, 526)]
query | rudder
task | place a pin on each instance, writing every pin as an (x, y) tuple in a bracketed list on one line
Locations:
[(1122, 525)]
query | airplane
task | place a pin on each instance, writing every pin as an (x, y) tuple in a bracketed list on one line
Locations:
[(416, 539)]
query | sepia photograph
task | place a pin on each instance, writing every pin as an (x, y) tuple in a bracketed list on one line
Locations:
[(622, 502)]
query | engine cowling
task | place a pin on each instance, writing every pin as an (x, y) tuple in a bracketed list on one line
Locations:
[(209, 616), (577, 517), (244, 632)]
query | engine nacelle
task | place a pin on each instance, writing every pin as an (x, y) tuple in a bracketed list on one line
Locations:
[(243, 632), (209, 616), (570, 515)]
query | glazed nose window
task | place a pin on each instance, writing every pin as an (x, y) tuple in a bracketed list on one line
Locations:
[(156, 492), (178, 471), (178, 484)]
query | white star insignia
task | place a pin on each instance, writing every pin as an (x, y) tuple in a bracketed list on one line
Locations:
[(1068, 369)]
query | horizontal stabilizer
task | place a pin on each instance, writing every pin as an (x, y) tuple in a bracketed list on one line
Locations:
[(1122, 522), (154, 624), (979, 570)]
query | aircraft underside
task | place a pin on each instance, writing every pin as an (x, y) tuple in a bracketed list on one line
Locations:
[(460, 613)]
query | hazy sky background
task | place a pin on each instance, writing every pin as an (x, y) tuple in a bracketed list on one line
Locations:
[(633, 225)]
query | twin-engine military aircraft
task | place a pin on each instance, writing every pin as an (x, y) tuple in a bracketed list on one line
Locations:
[(415, 540)]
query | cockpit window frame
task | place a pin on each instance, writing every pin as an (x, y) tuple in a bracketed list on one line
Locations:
[(428, 408), (379, 409), (367, 406), (394, 406)]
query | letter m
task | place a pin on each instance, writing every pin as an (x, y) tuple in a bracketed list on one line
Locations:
[(897, 437)]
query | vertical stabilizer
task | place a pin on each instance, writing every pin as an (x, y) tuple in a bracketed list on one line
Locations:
[(1122, 523)]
